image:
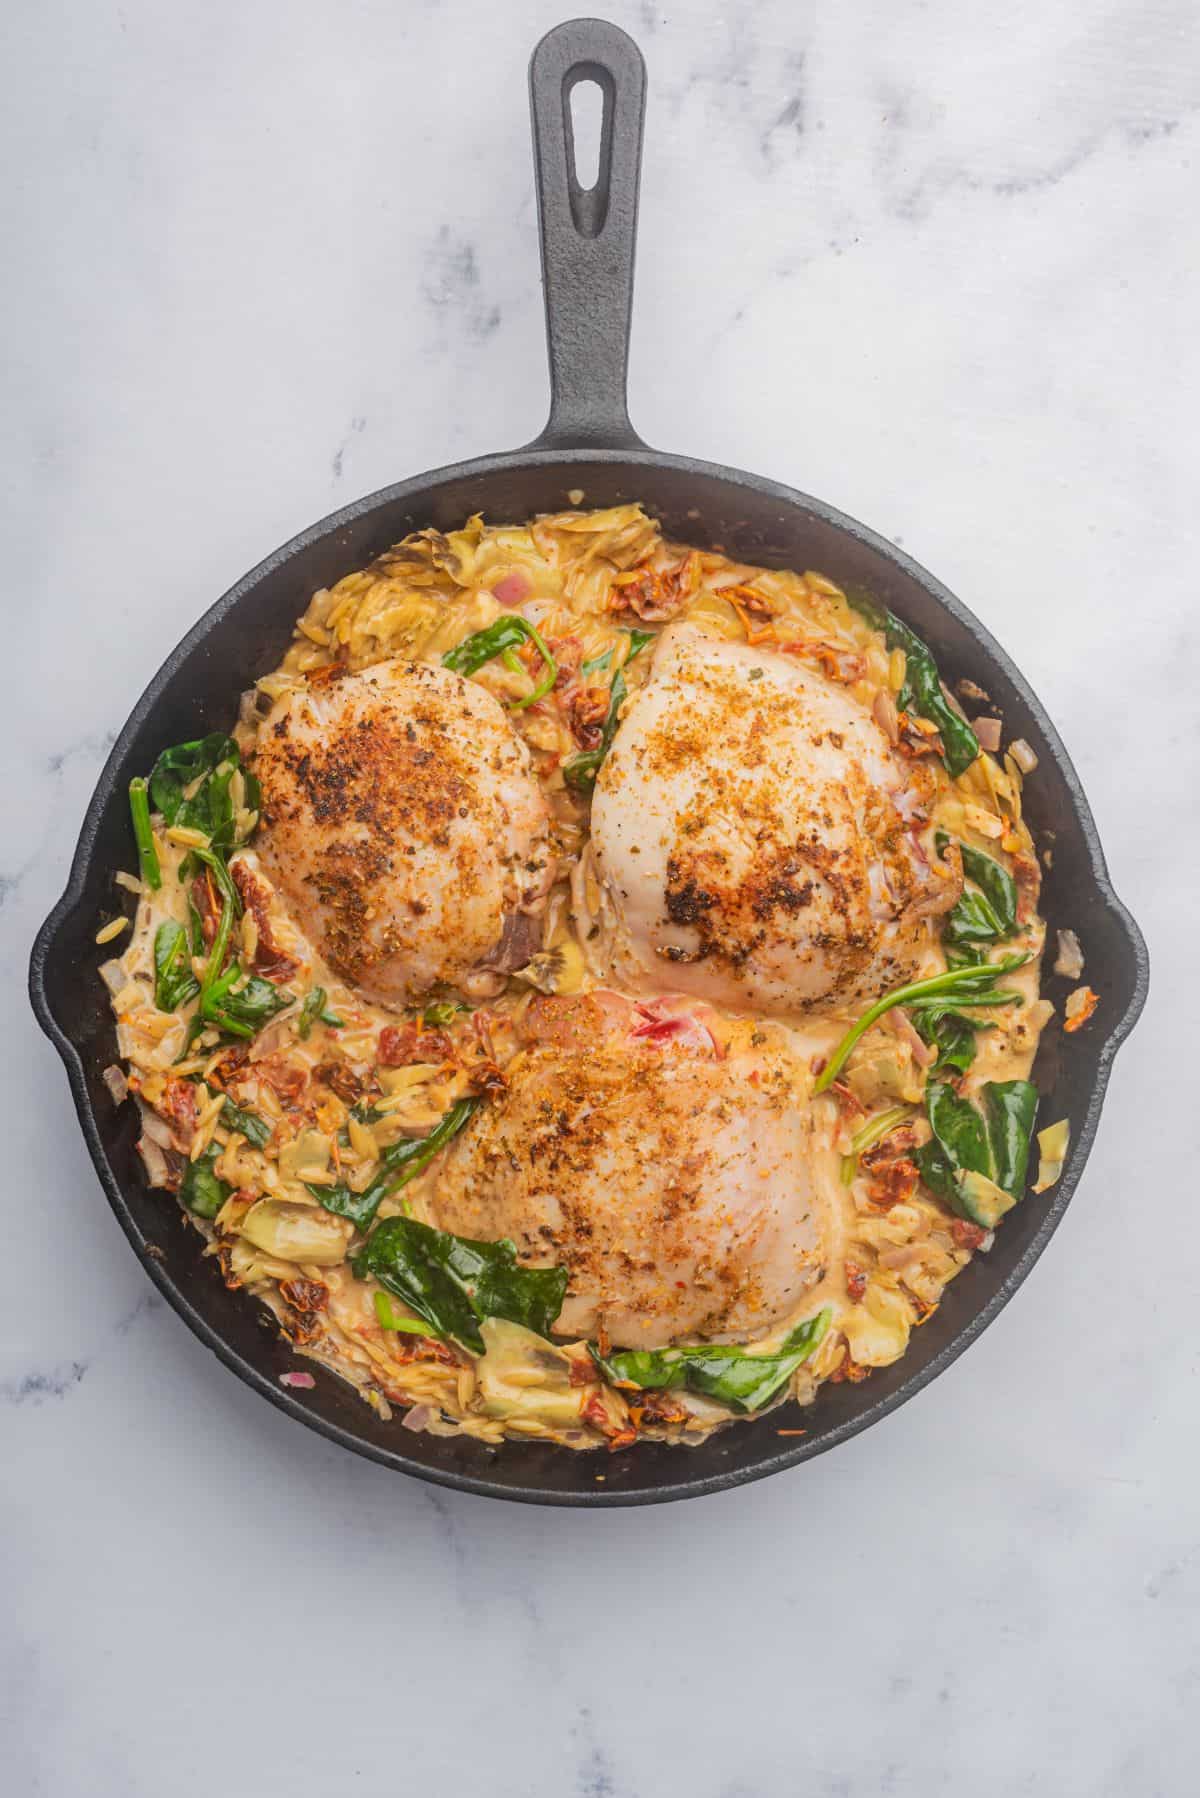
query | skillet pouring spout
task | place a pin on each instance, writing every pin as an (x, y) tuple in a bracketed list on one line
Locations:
[(588, 444)]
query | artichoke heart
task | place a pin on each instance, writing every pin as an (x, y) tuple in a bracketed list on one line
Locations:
[(297, 1232), (523, 1375), (557, 970)]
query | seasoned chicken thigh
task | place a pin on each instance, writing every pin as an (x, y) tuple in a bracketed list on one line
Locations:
[(759, 842), (403, 825), (668, 1162)]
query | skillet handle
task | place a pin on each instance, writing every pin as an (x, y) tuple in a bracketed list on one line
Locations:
[(588, 236)]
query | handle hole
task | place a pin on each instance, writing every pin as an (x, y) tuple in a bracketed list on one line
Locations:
[(586, 101)]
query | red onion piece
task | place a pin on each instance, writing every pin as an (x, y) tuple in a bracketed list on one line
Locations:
[(512, 589)]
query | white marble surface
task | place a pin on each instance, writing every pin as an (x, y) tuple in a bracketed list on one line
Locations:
[(936, 262)]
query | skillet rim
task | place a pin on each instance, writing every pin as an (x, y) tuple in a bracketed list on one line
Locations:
[(478, 468)]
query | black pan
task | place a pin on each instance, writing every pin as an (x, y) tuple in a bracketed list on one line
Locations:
[(587, 260)]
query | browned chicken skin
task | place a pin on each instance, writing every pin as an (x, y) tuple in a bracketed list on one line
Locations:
[(678, 1182), (401, 820)]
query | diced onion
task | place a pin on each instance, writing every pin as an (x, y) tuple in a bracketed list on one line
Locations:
[(1023, 755), (1069, 960), (118, 1087), (157, 1170), (156, 1128), (113, 974), (988, 731)]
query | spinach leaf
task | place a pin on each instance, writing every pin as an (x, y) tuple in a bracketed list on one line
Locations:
[(174, 982), (732, 1376), (1011, 1107), (952, 1035), (400, 1163), (922, 689), (990, 913), (994, 1143), (958, 1130), (201, 1191), (453, 1282), (504, 633), (314, 1008), (212, 761), (245, 1011), (581, 771), (972, 923), (256, 1130), (951, 1031), (970, 983), (994, 882)]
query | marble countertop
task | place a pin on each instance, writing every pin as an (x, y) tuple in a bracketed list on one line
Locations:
[(936, 263)]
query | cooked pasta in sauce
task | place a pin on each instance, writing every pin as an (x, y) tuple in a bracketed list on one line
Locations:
[(591, 993)]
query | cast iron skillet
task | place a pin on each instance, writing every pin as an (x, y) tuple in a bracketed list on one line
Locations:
[(587, 261)]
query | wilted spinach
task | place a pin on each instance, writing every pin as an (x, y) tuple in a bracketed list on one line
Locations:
[(174, 982), (400, 1163), (200, 1190), (581, 770), (453, 1282), (922, 690), (732, 1376), (993, 1143)]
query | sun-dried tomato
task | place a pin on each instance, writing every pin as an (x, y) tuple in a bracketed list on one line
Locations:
[(403, 1045), (269, 959)]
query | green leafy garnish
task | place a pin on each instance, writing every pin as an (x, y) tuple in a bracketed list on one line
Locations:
[(441, 1013), (390, 1319), (174, 982), (314, 1008), (207, 806), (922, 689), (581, 771), (256, 1130), (951, 1032), (143, 834), (972, 984), (986, 915), (240, 1011), (399, 1164), (993, 1143), (453, 1282), (191, 785), (200, 1190), (504, 633), (732, 1376)]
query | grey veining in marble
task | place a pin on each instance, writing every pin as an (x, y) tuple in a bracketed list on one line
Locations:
[(937, 263)]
